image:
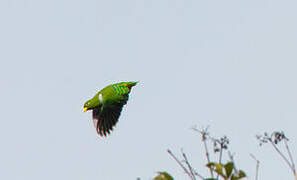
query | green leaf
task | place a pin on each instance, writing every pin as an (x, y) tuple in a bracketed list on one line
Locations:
[(229, 168), (241, 174), (163, 176), (211, 179), (218, 168)]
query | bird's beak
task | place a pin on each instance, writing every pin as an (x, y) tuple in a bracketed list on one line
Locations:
[(85, 109)]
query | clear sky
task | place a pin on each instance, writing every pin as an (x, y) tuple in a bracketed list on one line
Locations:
[(230, 64)]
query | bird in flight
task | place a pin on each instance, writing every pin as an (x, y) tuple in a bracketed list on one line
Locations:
[(107, 105)]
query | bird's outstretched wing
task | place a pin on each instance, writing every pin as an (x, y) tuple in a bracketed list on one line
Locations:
[(106, 119)]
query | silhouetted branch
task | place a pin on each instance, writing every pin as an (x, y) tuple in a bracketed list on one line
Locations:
[(290, 156), (189, 172), (257, 166), (275, 138), (189, 166), (204, 136)]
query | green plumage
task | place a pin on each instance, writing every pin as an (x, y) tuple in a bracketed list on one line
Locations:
[(107, 105)]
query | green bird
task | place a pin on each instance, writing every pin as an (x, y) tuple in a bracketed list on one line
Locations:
[(107, 105)]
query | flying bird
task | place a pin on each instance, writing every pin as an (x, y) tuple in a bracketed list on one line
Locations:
[(107, 105)]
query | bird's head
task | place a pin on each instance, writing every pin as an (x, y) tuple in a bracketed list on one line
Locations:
[(86, 106), (90, 104)]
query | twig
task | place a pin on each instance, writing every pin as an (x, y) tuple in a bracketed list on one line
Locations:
[(231, 156), (207, 157), (282, 155), (221, 154), (257, 166), (221, 142), (275, 138), (204, 134), (290, 156), (189, 165), (220, 159), (183, 167)]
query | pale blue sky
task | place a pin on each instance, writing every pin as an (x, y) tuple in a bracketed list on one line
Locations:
[(229, 64)]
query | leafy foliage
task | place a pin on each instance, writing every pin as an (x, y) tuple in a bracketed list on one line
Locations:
[(217, 169), (226, 171), (163, 176)]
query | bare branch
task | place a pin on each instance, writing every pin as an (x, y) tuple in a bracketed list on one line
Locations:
[(178, 161), (189, 165), (231, 156), (275, 138), (204, 136), (257, 166), (190, 174), (290, 156), (282, 155)]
